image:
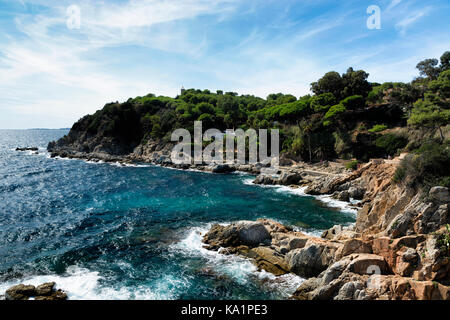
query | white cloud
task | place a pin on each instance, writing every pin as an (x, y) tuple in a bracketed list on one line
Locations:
[(405, 23), (134, 47), (53, 59), (393, 4)]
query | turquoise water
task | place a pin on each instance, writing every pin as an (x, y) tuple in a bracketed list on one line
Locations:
[(103, 231)]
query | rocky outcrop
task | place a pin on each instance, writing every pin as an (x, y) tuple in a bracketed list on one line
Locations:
[(313, 258), (286, 178), (246, 233), (220, 168), (339, 284), (45, 291), (344, 265)]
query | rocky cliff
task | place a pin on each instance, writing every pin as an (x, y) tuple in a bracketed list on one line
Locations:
[(397, 249)]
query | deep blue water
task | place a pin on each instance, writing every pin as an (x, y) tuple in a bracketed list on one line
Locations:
[(110, 232)]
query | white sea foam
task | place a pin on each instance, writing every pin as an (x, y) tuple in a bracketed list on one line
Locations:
[(131, 165), (82, 284), (326, 199), (240, 269)]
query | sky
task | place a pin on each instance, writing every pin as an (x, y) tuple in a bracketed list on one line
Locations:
[(56, 68)]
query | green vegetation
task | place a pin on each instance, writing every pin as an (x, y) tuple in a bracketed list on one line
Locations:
[(390, 143), (331, 123), (434, 110), (426, 166), (378, 128), (444, 242), (352, 164)]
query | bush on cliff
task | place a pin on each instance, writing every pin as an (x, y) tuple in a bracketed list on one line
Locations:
[(378, 128), (390, 143), (426, 167)]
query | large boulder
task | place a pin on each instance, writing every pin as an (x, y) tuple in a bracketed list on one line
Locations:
[(45, 289), (222, 168), (252, 233), (265, 179), (355, 246), (311, 260), (247, 233), (20, 292), (288, 178), (366, 263), (341, 195), (357, 192), (440, 194), (267, 259)]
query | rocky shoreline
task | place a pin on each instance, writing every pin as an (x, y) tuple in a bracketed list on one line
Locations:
[(340, 268), (397, 249), (399, 232)]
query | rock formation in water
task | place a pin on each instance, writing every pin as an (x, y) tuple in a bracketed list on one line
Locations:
[(45, 291)]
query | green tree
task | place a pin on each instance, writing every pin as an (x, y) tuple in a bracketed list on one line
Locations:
[(428, 68), (333, 113), (331, 82), (445, 61), (431, 112), (355, 83), (434, 110)]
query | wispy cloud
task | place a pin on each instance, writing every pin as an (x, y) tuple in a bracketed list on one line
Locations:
[(124, 48), (52, 56), (393, 4), (412, 18)]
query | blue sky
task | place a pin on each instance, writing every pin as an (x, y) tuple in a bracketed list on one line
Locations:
[(51, 75)]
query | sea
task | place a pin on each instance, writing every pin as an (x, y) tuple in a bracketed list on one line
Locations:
[(108, 231)]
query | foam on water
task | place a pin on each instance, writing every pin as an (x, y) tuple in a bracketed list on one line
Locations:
[(240, 269), (116, 231), (82, 284), (130, 165), (326, 199)]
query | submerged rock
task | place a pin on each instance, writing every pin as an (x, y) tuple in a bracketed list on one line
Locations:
[(27, 149)]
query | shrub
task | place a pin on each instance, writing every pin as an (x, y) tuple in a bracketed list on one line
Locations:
[(352, 165), (334, 111), (425, 167), (444, 242), (353, 102), (322, 102), (156, 130), (390, 143), (378, 128)]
